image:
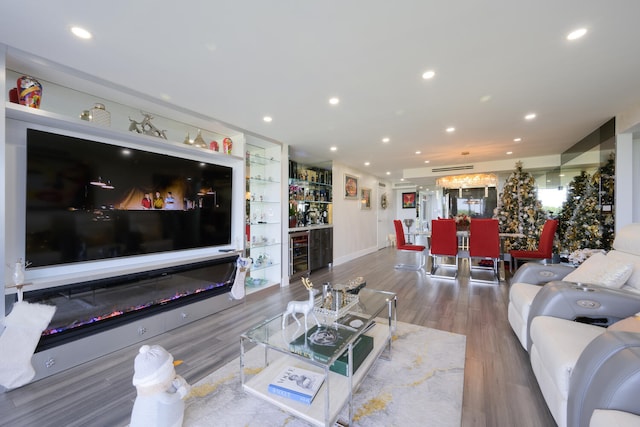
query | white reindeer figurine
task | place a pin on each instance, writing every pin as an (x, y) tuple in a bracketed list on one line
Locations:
[(303, 307)]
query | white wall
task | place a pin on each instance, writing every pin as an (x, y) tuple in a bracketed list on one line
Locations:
[(627, 180), (355, 231), (385, 216), (627, 162)]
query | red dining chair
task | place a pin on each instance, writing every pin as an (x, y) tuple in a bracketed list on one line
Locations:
[(484, 243), (444, 243), (404, 247), (545, 246)]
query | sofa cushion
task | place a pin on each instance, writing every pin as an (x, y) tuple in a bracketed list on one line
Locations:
[(630, 324), (598, 270), (559, 342), (634, 260)]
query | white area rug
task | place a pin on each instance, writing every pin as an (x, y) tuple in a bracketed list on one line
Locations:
[(420, 386)]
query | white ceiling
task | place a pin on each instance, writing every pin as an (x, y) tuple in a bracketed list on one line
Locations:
[(237, 61)]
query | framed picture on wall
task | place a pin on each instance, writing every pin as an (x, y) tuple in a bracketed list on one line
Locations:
[(409, 200), (350, 187), (365, 198)]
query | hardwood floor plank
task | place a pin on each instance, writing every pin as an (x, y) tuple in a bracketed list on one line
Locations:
[(499, 386)]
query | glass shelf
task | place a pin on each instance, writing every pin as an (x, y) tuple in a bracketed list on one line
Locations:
[(303, 183), (262, 244), (264, 205), (261, 181), (260, 159)]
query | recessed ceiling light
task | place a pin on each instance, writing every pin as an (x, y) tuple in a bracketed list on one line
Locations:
[(418, 152), (485, 98), (401, 179), (530, 116), (517, 139), (576, 34), (426, 161), (428, 74), (367, 163), (81, 33), (388, 173), (267, 119), (385, 140), (509, 153), (451, 129), (334, 148), (334, 101)]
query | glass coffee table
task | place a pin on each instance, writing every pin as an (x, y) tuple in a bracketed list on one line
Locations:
[(359, 337)]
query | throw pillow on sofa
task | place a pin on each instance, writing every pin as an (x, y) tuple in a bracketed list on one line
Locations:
[(626, 258), (598, 270)]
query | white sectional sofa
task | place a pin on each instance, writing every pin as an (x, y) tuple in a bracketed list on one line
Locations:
[(582, 334)]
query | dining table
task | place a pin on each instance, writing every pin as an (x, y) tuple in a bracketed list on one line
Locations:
[(423, 238)]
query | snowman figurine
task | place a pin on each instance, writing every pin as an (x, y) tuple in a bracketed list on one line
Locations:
[(159, 401)]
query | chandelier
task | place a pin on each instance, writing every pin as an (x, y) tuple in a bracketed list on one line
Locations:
[(477, 180)]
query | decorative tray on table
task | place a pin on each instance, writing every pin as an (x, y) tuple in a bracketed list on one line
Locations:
[(349, 301)]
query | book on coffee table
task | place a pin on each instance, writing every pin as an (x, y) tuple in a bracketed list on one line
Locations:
[(297, 384), (323, 342)]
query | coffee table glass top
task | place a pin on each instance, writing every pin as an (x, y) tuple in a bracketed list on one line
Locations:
[(371, 304)]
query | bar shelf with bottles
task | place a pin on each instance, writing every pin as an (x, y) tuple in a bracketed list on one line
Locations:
[(310, 196), (310, 218)]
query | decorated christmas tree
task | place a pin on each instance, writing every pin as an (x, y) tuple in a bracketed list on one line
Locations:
[(605, 178), (583, 229), (575, 191), (587, 217), (520, 211)]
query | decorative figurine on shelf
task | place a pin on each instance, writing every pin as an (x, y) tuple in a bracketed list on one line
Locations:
[(159, 401), (199, 140), (100, 115), (29, 91), (13, 96), (214, 146), (227, 145), (18, 272), (302, 307), (237, 290), (146, 127)]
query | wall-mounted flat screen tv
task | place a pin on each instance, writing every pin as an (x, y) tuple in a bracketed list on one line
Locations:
[(89, 200)]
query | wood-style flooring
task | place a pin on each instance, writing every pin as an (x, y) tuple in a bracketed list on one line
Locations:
[(499, 386)]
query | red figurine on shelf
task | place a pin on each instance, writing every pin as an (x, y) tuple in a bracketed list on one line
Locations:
[(227, 145)]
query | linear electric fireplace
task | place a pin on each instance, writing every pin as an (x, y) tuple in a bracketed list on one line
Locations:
[(87, 308)]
